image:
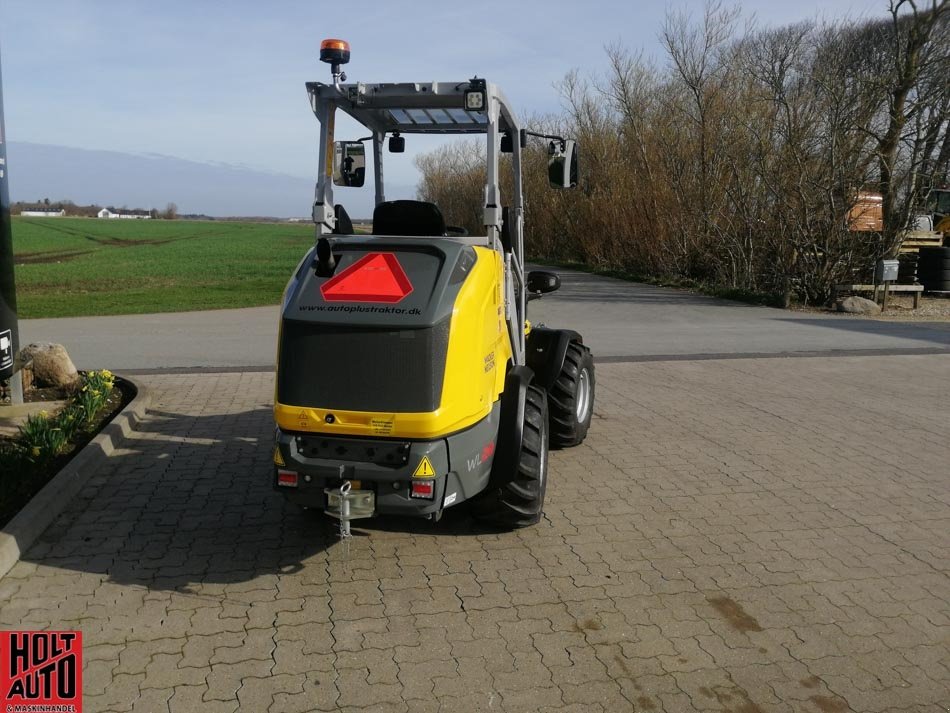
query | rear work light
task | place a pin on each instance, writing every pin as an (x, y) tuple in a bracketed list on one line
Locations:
[(475, 98), (286, 478), (423, 489)]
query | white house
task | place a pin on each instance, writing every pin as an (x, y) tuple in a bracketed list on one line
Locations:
[(43, 213), (106, 213)]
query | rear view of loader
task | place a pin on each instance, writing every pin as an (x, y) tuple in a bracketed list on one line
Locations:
[(409, 379)]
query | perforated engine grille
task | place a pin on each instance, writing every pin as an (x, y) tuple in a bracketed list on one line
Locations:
[(362, 369)]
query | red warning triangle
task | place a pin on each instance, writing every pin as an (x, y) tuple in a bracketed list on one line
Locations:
[(376, 277)]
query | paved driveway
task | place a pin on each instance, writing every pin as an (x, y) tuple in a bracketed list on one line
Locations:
[(735, 535), (618, 319), (623, 319)]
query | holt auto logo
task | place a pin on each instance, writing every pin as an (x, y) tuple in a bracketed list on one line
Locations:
[(41, 671)]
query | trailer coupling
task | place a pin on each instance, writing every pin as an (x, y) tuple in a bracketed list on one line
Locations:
[(345, 504)]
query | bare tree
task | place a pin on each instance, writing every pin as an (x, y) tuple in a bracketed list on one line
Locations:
[(738, 163), (453, 177), (917, 108)]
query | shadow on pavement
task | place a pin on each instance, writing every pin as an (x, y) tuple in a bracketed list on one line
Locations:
[(581, 287), (934, 332), (190, 503)]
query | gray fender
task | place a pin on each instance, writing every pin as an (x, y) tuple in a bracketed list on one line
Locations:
[(511, 424), (545, 351)]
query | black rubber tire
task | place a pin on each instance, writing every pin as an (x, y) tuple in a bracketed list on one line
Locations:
[(934, 253), (934, 275), (566, 429), (519, 502)]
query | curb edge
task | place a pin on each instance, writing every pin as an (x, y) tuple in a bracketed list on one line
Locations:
[(43, 508)]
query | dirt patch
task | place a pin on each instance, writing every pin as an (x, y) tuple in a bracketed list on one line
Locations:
[(732, 612), (587, 625), (625, 668), (729, 696), (748, 707), (129, 243), (47, 257)]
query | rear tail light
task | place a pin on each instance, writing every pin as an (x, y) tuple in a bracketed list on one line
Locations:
[(423, 489), (287, 478)]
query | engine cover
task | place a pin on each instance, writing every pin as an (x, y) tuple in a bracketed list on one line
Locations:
[(406, 338)]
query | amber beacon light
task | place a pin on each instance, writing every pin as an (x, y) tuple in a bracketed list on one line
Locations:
[(335, 51)]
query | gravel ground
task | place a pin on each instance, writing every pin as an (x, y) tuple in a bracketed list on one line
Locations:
[(900, 308)]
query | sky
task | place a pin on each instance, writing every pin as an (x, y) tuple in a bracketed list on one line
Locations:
[(223, 82)]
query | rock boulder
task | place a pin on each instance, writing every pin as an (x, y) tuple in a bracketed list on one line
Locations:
[(858, 305), (51, 365)]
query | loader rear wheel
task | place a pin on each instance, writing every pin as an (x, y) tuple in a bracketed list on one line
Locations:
[(571, 398), (519, 501)]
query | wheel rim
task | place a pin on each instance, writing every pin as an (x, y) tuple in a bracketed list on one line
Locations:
[(582, 403)]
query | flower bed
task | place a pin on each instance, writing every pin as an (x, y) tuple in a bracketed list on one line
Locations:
[(46, 442)]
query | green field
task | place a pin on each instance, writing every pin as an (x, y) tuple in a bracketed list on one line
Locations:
[(67, 267)]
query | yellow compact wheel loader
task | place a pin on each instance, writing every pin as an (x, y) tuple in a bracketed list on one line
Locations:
[(408, 377)]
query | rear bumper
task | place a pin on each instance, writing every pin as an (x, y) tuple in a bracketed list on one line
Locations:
[(461, 463)]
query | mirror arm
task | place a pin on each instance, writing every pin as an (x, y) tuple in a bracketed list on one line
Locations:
[(546, 136)]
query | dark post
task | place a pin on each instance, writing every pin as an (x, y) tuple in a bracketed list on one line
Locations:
[(9, 336)]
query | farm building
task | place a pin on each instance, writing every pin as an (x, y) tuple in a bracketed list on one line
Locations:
[(132, 214), (43, 213)]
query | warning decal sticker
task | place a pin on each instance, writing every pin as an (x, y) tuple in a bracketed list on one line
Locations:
[(424, 469), (382, 426), (376, 277), (6, 349)]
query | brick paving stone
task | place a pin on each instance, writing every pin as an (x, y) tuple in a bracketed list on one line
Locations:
[(225, 679), (733, 535), (155, 700)]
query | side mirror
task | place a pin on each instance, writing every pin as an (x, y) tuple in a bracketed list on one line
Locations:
[(397, 144), (349, 163), (539, 282), (562, 166)]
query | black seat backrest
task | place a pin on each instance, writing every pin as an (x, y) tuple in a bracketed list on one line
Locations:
[(344, 226), (408, 218)]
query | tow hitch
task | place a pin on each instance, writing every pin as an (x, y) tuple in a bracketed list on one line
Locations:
[(345, 504)]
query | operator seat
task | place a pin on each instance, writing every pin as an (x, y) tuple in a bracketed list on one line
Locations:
[(417, 218), (344, 226)]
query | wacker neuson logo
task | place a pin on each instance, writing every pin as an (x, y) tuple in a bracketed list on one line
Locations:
[(41, 671)]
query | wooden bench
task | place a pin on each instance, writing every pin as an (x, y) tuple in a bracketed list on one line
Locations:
[(887, 287)]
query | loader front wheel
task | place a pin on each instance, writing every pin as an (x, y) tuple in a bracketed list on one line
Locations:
[(571, 398), (519, 502)]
